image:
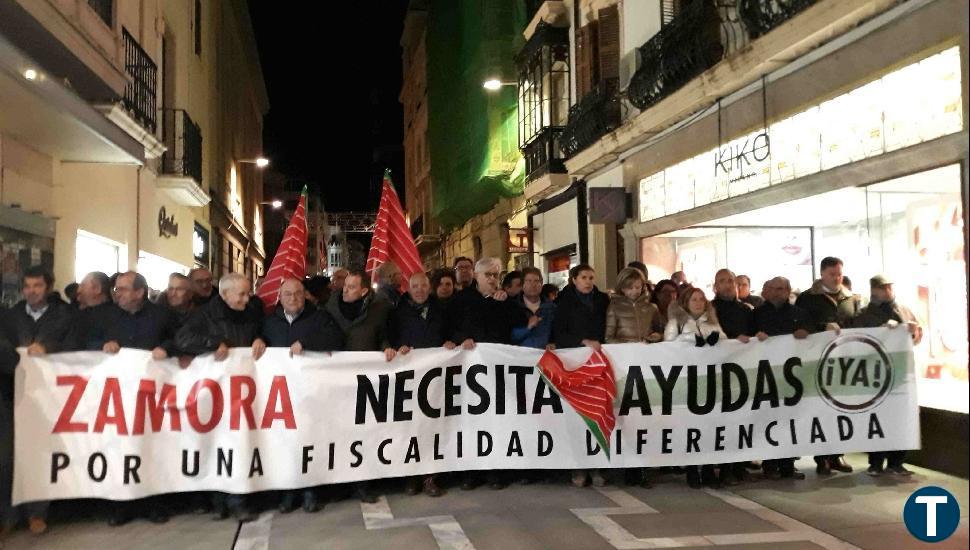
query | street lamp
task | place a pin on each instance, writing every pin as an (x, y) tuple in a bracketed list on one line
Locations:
[(275, 203), (494, 84), (260, 162)]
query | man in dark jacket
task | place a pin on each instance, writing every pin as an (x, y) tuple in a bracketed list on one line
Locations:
[(362, 316), (42, 324), (94, 302), (298, 325), (417, 322), (539, 313), (830, 307), (135, 322), (736, 317), (745, 295), (203, 291), (483, 311), (883, 311), (777, 317), (226, 321), (737, 321)]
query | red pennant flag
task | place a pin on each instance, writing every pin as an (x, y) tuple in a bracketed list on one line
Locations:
[(290, 259), (392, 237), (590, 390)]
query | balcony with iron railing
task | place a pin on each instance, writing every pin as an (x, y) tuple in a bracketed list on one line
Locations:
[(701, 34), (181, 168), (139, 97), (183, 143), (544, 155), (596, 114)]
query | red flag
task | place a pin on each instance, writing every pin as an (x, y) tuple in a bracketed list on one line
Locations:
[(290, 260), (392, 237), (590, 390)]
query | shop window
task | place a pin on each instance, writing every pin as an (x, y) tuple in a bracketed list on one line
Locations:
[(909, 228), (18, 251), (156, 269), (96, 253)]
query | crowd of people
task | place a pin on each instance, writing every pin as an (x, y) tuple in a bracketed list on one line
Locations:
[(469, 304)]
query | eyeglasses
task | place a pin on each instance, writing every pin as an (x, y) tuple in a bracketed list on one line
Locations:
[(491, 274), (122, 289)]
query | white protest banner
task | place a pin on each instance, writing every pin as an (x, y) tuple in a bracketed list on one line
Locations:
[(124, 426)]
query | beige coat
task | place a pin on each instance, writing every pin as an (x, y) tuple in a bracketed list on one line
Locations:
[(631, 320)]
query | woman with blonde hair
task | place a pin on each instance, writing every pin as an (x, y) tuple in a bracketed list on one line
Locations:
[(693, 319), (631, 316)]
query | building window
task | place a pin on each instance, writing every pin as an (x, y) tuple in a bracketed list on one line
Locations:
[(104, 9), (544, 96), (909, 228), (96, 253), (198, 27), (18, 251)]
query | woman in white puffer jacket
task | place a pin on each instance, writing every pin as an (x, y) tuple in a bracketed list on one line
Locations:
[(692, 319)]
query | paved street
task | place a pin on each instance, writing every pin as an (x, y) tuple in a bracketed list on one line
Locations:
[(844, 511)]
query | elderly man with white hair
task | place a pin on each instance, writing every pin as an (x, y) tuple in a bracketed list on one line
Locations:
[(223, 323), (485, 314)]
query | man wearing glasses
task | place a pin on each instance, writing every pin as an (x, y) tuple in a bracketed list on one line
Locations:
[(464, 273), (485, 314)]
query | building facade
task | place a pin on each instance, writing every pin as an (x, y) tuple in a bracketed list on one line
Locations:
[(123, 144)]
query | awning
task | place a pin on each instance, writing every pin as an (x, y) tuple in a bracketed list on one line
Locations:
[(48, 116)]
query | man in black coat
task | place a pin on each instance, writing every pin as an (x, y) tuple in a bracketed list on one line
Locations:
[(41, 323), (135, 322), (298, 325), (483, 311), (736, 317), (419, 321), (737, 322), (94, 302), (226, 321), (831, 307), (776, 317), (883, 311)]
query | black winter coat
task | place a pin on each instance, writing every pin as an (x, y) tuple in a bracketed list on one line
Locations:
[(575, 321), (314, 329), (216, 323)]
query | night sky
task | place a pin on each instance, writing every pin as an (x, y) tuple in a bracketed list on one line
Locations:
[(333, 73)]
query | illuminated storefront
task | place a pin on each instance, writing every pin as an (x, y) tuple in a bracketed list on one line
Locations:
[(776, 200)]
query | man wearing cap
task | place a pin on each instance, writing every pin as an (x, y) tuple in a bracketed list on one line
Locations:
[(883, 311)]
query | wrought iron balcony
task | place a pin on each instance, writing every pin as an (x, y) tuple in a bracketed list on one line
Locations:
[(140, 92), (683, 49), (761, 16), (543, 155), (701, 34), (596, 114), (183, 140)]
